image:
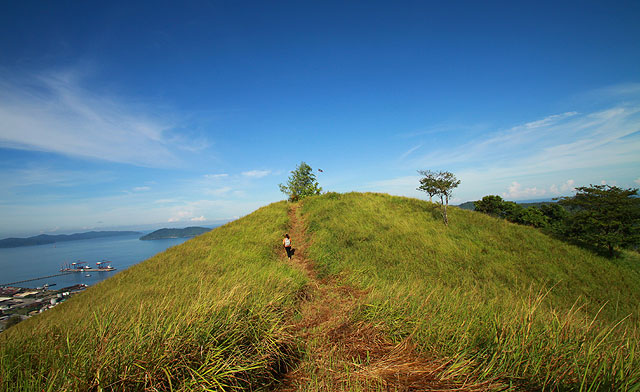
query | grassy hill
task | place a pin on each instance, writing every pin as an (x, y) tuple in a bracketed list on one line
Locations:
[(495, 297), (490, 299), (209, 313)]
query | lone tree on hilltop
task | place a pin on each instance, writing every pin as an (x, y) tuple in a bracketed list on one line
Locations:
[(302, 183), (439, 184), (605, 216)]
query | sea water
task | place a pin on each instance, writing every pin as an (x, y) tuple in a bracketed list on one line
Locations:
[(28, 262)]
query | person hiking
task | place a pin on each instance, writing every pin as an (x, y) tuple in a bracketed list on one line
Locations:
[(286, 241)]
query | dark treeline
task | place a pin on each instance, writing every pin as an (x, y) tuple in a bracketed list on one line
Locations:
[(600, 217)]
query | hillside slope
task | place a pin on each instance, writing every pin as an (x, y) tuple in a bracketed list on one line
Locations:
[(501, 300), (207, 314)]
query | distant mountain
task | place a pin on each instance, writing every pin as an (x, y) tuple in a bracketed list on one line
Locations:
[(175, 233), (50, 239)]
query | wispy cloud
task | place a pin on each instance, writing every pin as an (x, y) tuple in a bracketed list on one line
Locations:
[(167, 201), (200, 218), (44, 175), (256, 173), (53, 112), (529, 160), (141, 188), (215, 176), (617, 91), (409, 151), (555, 143), (219, 191)]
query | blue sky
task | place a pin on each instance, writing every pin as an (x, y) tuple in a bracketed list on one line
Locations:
[(164, 114)]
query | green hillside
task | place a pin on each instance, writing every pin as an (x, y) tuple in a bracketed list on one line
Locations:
[(494, 304), (495, 297), (209, 313)]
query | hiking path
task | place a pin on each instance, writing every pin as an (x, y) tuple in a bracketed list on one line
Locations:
[(343, 354)]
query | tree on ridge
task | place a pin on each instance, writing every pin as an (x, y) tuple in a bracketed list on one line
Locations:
[(302, 183)]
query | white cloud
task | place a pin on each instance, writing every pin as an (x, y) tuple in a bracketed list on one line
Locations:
[(198, 219), (181, 215), (54, 113), (195, 210), (637, 181), (166, 201), (516, 191), (141, 188), (567, 186), (256, 173), (219, 191), (215, 176)]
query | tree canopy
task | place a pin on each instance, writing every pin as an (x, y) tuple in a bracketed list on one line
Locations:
[(302, 183), (513, 212), (491, 204), (604, 216)]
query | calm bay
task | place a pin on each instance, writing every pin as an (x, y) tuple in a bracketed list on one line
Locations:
[(28, 262)]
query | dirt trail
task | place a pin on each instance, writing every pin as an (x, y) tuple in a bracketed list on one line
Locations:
[(344, 355)]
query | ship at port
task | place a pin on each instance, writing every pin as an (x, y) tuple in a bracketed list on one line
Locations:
[(83, 266)]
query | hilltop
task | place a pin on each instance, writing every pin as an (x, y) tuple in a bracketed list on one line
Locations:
[(380, 296), (175, 233), (51, 239)]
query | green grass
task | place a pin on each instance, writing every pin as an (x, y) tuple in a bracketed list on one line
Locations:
[(502, 300), (209, 314)]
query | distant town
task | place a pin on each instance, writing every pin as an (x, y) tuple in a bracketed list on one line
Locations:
[(18, 304)]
